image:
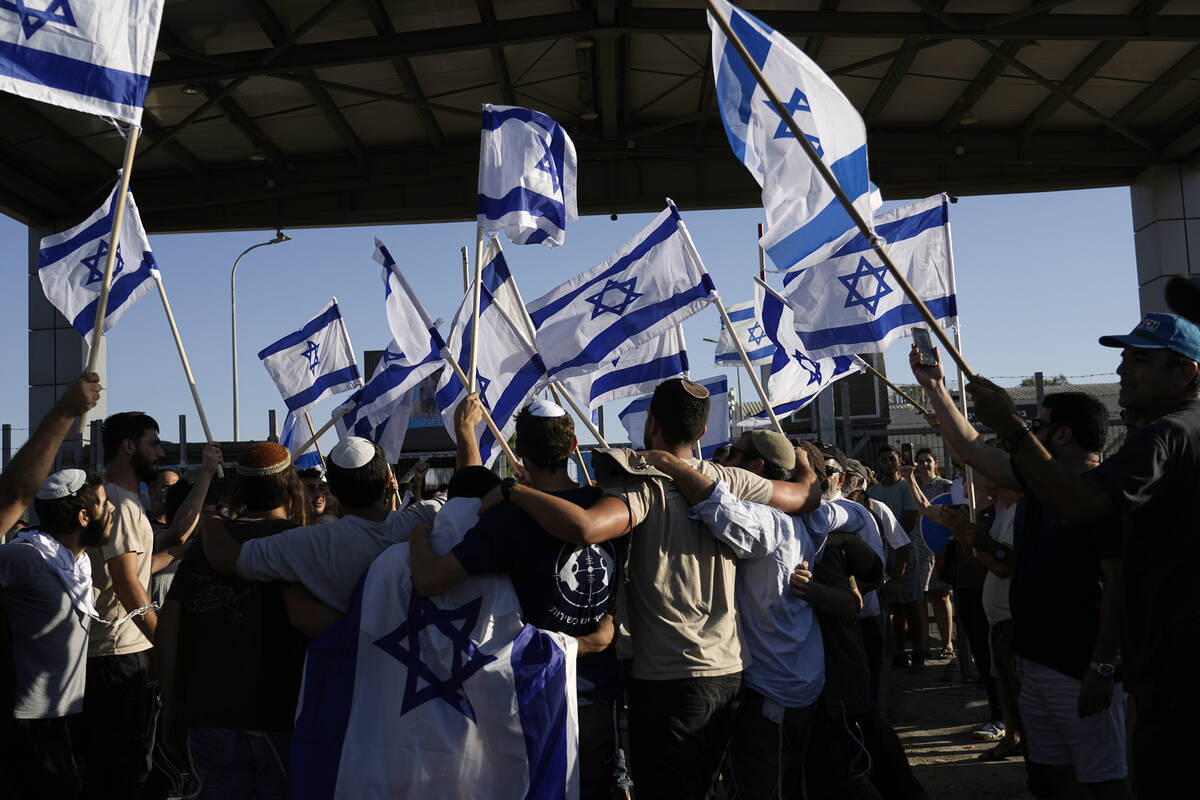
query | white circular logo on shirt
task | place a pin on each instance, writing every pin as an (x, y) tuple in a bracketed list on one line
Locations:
[(584, 576)]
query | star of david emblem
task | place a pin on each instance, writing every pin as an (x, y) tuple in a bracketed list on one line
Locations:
[(404, 645), (481, 386), (856, 296), (798, 102), (32, 19), (95, 263), (618, 308), (755, 333), (310, 353), (808, 365), (546, 164)]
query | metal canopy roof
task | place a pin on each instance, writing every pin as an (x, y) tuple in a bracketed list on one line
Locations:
[(265, 113)]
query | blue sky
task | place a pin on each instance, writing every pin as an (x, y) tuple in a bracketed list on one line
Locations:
[(1040, 277)]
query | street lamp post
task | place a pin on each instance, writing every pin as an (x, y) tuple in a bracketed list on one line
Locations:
[(279, 237)]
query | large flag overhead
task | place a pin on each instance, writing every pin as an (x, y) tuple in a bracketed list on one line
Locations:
[(88, 55), (71, 266), (651, 284), (450, 696), (527, 172), (850, 304), (747, 328), (803, 214), (310, 457), (509, 371), (633, 417), (796, 377), (313, 362), (634, 373)]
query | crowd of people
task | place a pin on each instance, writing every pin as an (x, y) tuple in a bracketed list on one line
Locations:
[(741, 614)]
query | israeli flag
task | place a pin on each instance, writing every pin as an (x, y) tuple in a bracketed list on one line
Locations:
[(388, 434), (651, 284), (450, 696), (634, 373), (371, 412), (314, 362), (71, 266), (509, 371), (310, 457), (84, 55), (803, 214), (527, 170), (414, 335), (634, 416), (796, 377), (747, 328), (850, 304)]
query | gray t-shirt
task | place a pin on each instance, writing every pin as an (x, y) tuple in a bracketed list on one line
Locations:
[(50, 637)]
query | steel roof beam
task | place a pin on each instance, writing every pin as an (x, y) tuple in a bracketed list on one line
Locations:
[(978, 87), (499, 64), (404, 71)]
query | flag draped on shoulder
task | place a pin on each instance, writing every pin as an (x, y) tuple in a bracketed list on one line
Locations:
[(71, 266), (379, 411), (314, 362), (509, 371), (849, 303), (796, 377), (633, 417), (651, 284), (310, 457), (84, 55), (803, 214), (451, 696), (634, 373), (527, 175), (747, 328)]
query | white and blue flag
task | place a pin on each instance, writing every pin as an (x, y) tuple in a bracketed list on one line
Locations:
[(796, 377), (651, 284), (633, 417), (451, 696), (634, 373), (414, 335), (527, 175), (508, 371), (379, 411), (310, 457), (85, 55), (747, 328), (803, 214), (314, 362), (388, 434), (71, 266), (850, 304)]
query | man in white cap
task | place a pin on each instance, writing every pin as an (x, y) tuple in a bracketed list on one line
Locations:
[(328, 559), (46, 588)]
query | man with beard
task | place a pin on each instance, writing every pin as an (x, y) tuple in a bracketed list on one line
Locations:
[(117, 722), (46, 588)]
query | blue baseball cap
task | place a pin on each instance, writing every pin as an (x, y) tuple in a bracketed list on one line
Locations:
[(1158, 332)]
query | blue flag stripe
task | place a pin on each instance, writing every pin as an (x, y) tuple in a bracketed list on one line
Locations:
[(118, 293), (510, 399), (832, 221), (758, 46), (876, 329), (326, 381), (540, 673), (56, 253), (734, 358), (741, 314), (658, 369), (493, 119), (73, 75), (330, 316), (522, 199)]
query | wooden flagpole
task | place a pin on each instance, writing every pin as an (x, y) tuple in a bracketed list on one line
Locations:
[(578, 454), (341, 412), (312, 430), (737, 340), (920, 408), (475, 289), (487, 417), (114, 237), (827, 175)]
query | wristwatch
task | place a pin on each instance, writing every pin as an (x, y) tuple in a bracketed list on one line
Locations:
[(1103, 670), (506, 487)]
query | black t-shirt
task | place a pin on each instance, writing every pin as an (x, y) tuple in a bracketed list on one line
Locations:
[(239, 659), (1154, 480), (1057, 585), (562, 587), (847, 670)]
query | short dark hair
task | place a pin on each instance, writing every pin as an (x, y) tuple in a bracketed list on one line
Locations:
[(816, 462), (546, 441), (887, 448), (121, 426), (177, 492), (1082, 414), (58, 517), (679, 414), (771, 470), (926, 450), (472, 481), (265, 492), (310, 472), (359, 487)]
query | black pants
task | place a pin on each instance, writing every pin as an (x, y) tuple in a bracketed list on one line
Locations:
[(36, 760), (1166, 703), (678, 733), (969, 604), (117, 725), (768, 754), (872, 636), (597, 750)]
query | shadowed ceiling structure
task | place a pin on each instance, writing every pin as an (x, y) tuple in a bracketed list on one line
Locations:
[(266, 113)]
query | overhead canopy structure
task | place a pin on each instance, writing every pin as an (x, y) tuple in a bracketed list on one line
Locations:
[(265, 113)]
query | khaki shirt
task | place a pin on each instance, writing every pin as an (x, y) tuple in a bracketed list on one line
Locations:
[(680, 579), (131, 533)]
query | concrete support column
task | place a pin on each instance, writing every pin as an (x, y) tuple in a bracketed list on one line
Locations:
[(57, 354), (1166, 230)]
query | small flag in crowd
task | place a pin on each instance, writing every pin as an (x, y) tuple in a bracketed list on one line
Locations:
[(372, 412), (413, 333), (850, 304), (314, 362), (633, 417), (796, 377), (651, 284), (71, 266), (399, 696), (635, 373), (803, 214), (747, 328), (84, 55), (310, 457), (527, 171)]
